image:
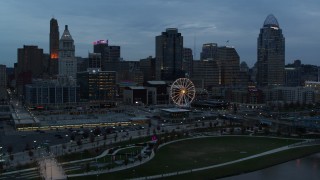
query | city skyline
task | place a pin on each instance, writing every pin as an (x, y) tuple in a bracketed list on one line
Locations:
[(133, 25)]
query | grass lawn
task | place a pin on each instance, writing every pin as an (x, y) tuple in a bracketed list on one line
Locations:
[(250, 165), (200, 152)]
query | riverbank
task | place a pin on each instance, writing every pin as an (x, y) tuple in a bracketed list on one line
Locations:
[(251, 165)]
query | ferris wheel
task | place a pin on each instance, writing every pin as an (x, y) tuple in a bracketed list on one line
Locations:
[(182, 92)]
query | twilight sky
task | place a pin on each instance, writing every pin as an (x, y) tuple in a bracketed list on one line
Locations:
[(133, 24)]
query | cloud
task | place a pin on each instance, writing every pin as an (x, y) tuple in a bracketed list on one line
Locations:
[(134, 24)]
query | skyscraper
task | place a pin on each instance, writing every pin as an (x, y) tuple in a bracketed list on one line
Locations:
[(54, 39), (3, 82), (30, 65), (54, 46), (209, 51), (205, 74), (30, 59), (110, 55), (147, 67), (169, 53), (228, 61), (187, 61), (95, 60), (96, 85), (67, 60), (271, 54)]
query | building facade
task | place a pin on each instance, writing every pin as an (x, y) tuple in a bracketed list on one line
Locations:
[(95, 60), (169, 55), (30, 59), (148, 68), (287, 95), (209, 51), (110, 55), (271, 54), (228, 62), (292, 76), (3, 82), (97, 85), (187, 63), (54, 46), (205, 74), (67, 60), (54, 39), (52, 92), (30, 65), (137, 95), (158, 92)]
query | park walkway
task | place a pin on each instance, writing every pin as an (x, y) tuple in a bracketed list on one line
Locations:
[(137, 163), (295, 145)]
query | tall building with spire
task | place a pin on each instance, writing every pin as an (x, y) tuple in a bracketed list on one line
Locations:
[(169, 55), (54, 46), (271, 54), (67, 60)]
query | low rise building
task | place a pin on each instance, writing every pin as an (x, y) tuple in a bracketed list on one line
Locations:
[(52, 92)]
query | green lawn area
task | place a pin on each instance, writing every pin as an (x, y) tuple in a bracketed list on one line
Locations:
[(200, 152), (250, 165)]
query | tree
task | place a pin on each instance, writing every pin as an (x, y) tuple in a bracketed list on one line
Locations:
[(87, 168), (91, 138), (97, 150), (210, 124), (30, 153), (27, 148), (72, 137), (11, 157), (79, 142), (140, 157), (235, 108), (266, 131), (115, 137), (97, 131), (9, 149), (231, 130)]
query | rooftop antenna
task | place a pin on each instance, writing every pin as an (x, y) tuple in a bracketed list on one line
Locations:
[(318, 74), (227, 43), (194, 46)]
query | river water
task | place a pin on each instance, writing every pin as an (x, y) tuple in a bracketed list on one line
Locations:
[(307, 168)]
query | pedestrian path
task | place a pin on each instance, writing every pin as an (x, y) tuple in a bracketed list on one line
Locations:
[(119, 168), (295, 145)]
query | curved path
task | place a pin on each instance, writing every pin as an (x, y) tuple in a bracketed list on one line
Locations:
[(137, 163), (295, 145)]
